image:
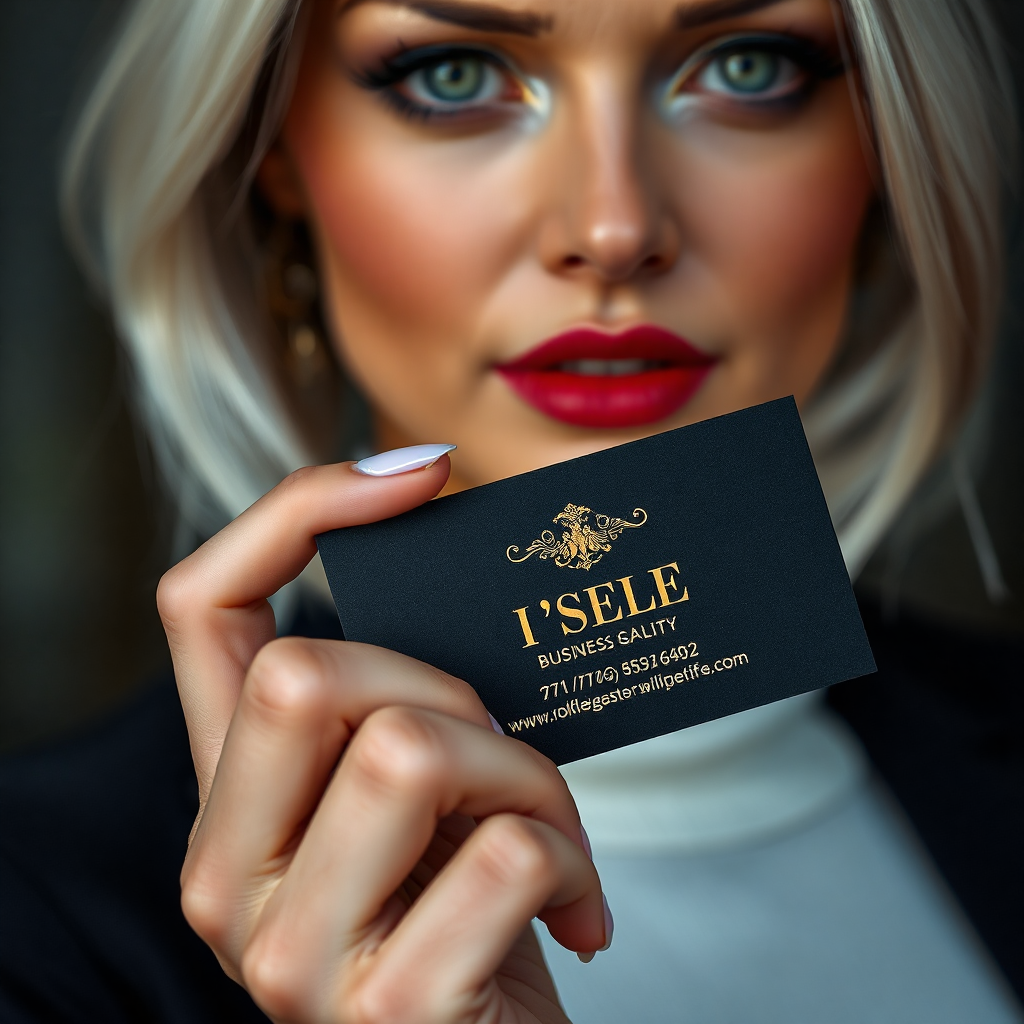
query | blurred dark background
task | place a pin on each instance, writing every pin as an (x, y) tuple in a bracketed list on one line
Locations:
[(81, 545), (84, 531)]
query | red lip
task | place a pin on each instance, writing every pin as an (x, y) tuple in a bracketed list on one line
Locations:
[(627, 398)]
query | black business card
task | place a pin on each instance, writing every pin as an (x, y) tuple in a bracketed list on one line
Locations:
[(621, 595)]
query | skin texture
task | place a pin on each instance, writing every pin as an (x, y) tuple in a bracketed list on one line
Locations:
[(368, 849), (447, 249)]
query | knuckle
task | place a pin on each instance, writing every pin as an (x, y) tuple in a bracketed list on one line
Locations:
[(396, 749), (549, 771), (203, 905), (175, 594), (464, 694), (552, 783), (511, 851), (272, 977), (287, 680), (298, 481), (376, 1002)]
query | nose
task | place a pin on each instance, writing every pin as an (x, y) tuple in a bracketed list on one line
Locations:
[(608, 218)]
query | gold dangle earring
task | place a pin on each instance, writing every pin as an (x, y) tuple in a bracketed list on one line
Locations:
[(307, 356), (292, 295)]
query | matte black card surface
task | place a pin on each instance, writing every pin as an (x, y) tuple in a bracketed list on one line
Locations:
[(621, 595)]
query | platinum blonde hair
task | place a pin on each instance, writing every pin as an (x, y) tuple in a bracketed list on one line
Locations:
[(192, 91)]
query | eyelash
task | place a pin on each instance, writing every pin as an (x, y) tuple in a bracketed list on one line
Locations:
[(401, 67), (813, 64), (810, 61)]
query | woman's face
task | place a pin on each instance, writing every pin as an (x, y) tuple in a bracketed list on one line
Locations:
[(550, 226)]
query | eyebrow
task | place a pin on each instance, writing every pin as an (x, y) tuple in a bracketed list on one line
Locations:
[(482, 17), (695, 15)]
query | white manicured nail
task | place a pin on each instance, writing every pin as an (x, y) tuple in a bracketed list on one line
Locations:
[(586, 842), (609, 924), (402, 460), (494, 724)]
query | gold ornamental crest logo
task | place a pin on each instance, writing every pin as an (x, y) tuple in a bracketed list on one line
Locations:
[(586, 538)]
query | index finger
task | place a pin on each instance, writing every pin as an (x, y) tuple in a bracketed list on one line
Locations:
[(214, 606)]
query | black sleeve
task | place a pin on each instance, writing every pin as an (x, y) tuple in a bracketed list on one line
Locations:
[(46, 974), (943, 723), (92, 836)]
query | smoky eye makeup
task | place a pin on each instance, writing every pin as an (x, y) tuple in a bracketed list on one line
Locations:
[(750, 73), (452, 83), (742, 74)]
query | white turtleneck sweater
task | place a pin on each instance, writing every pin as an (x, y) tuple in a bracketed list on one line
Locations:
[(757, 876)]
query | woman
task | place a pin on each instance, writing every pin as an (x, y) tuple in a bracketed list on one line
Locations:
[(538, 229)]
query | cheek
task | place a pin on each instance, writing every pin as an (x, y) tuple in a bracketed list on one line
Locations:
[(414, 239), (779, 232), (380, 230)]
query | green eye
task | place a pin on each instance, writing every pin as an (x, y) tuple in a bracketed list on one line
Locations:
[(455, 81), (751, 71), (770, 73), (464, 86)]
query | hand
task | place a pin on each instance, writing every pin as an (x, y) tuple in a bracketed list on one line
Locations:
[(367, 847)]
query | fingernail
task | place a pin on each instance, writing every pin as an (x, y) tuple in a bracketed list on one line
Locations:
[(609, 924), (402, 460), (586, 842), (585, 958), (494, 724)]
